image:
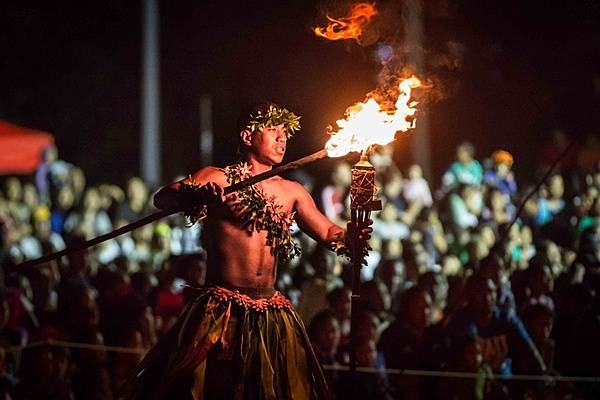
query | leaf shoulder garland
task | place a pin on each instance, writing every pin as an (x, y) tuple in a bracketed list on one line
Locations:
[(260, 212)]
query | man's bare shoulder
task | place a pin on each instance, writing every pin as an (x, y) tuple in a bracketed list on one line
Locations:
[(210, 174), (289, 184), (293, 188)]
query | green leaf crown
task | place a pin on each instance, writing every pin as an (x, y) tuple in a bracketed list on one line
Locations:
[(275, 116)]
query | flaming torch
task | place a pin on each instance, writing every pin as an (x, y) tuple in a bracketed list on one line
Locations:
[(366, 125)]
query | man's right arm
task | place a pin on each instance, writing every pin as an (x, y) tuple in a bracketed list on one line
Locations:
[(170, 197)]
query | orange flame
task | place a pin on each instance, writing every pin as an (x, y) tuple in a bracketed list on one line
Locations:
[(366, 124), (349, 27)]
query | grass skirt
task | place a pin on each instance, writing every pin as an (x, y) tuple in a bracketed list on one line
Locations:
[(232, 345)]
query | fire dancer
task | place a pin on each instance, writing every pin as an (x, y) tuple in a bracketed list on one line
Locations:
[(240, 338)]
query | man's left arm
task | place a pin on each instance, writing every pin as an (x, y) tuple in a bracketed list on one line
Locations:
[(320, 228), (314, 222)]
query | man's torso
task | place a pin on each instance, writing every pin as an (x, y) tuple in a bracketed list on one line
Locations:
[(239, 255)]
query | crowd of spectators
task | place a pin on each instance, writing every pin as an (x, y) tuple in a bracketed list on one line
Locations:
[(471, 281)]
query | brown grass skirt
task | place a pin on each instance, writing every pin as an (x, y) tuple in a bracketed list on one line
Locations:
[(232, 345)]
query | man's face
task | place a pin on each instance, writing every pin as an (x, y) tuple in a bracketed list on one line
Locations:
[(269, 144)]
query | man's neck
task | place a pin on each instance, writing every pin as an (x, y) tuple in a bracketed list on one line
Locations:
[(257, 166)]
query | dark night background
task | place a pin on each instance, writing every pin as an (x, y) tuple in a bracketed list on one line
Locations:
[(528, 66)]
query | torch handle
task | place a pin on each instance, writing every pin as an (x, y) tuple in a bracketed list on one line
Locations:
[(359, 220)]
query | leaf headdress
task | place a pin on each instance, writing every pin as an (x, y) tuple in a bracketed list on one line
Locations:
[(273, 116)]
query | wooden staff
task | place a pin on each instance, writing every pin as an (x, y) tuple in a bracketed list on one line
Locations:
[(164, 213)]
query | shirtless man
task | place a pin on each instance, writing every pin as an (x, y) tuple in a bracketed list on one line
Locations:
[(240, 338)]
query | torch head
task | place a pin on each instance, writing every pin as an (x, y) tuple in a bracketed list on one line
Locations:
[(362, 188)]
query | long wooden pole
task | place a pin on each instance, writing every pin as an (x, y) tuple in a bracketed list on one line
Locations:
[(164, 213)]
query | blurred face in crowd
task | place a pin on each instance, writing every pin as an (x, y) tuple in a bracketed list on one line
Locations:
[(91, 200), (42, 229), (541, 326), (464, 153), (14, 190), (497, 200), (473, 199), (366, 353), (367, 325), (377, 294), (590, 202), (392, 249), (51, 154), (79, 261), (137, 191), (419, 309), (30, 195), (341, 175), (89, 306), (451, 265), (481, 295), (594, 178), (531, 207), (143, 235), (542, 281), (477, 249), (391, 272), (392, 187), (526, 236), (415, 172), (66, 198), (493, 268), (556, 187), (488, 236), (41, 286), (440, 289), (327, 336), (553, 253), (77, 181), (389, 213), (502, 169), (341, 304)]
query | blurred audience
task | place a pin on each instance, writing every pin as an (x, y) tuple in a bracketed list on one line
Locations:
[(456, 284)]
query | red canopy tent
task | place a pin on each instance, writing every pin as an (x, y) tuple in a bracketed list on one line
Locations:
[(21, 148)]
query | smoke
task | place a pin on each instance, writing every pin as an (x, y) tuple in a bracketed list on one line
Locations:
[(393, 40)]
